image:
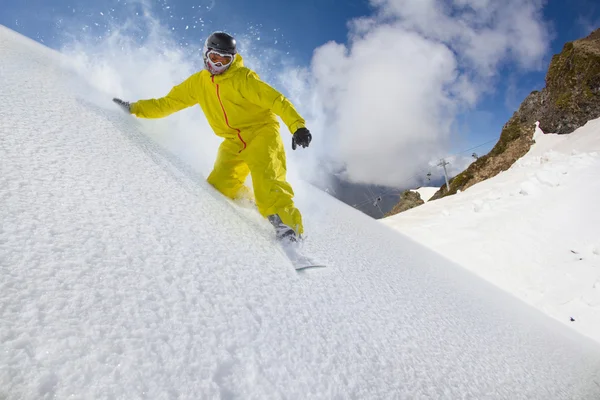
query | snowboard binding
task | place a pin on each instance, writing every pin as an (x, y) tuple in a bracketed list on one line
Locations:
[(282, 231)]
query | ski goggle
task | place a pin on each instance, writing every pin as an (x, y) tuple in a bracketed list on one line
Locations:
[(219, 58)]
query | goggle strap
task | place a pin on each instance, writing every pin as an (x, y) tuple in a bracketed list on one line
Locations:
[(219, 53)]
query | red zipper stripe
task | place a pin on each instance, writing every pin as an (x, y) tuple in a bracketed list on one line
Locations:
[(227, 119)]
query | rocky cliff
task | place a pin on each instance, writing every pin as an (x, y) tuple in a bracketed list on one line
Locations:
[(570, 99), (408, 200)]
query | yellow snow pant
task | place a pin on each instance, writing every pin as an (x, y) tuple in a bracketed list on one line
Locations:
[(260, 153)]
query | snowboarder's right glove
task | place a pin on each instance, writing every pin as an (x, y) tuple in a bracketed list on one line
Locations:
[(302, 137), (123, 104)]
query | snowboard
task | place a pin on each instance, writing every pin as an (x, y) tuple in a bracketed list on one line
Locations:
[(299, 260)]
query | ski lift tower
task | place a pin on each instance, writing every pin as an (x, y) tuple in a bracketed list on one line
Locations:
[(443, 164)]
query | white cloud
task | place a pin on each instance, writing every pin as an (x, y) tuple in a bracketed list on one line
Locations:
[(392, 93)]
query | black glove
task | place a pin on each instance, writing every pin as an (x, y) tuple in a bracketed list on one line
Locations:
[(123, 104), (302, 137)]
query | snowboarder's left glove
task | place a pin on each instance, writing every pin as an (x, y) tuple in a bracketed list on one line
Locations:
[(123, 104), (302, 137)]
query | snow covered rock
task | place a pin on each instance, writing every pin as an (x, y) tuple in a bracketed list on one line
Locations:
[(570, 99)]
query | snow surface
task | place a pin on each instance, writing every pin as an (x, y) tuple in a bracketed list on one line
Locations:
[(532, 230), (426, 192), (125, 275)]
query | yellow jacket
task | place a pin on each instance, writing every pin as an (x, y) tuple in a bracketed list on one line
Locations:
[(235, 102)]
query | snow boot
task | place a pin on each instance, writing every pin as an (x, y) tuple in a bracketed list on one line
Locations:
[(282, 231)]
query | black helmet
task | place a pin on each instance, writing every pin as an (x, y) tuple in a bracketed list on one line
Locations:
[(222, 42)]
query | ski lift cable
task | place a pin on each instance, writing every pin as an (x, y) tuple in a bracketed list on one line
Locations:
[(390, 191), (476, 147), (384, 193)]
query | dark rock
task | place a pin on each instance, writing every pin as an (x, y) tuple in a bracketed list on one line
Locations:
[(408, 200)]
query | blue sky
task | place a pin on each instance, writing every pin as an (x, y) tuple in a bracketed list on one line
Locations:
[(305, 24), (294, 29)]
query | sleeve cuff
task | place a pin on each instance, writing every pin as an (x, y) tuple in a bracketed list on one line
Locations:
[(295, 126)]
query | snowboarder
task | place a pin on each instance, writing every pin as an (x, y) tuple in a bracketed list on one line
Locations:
[(242, 109)]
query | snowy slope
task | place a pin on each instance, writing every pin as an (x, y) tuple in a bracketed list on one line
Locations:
[(531, 230), (426, 192), (124, 275)]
